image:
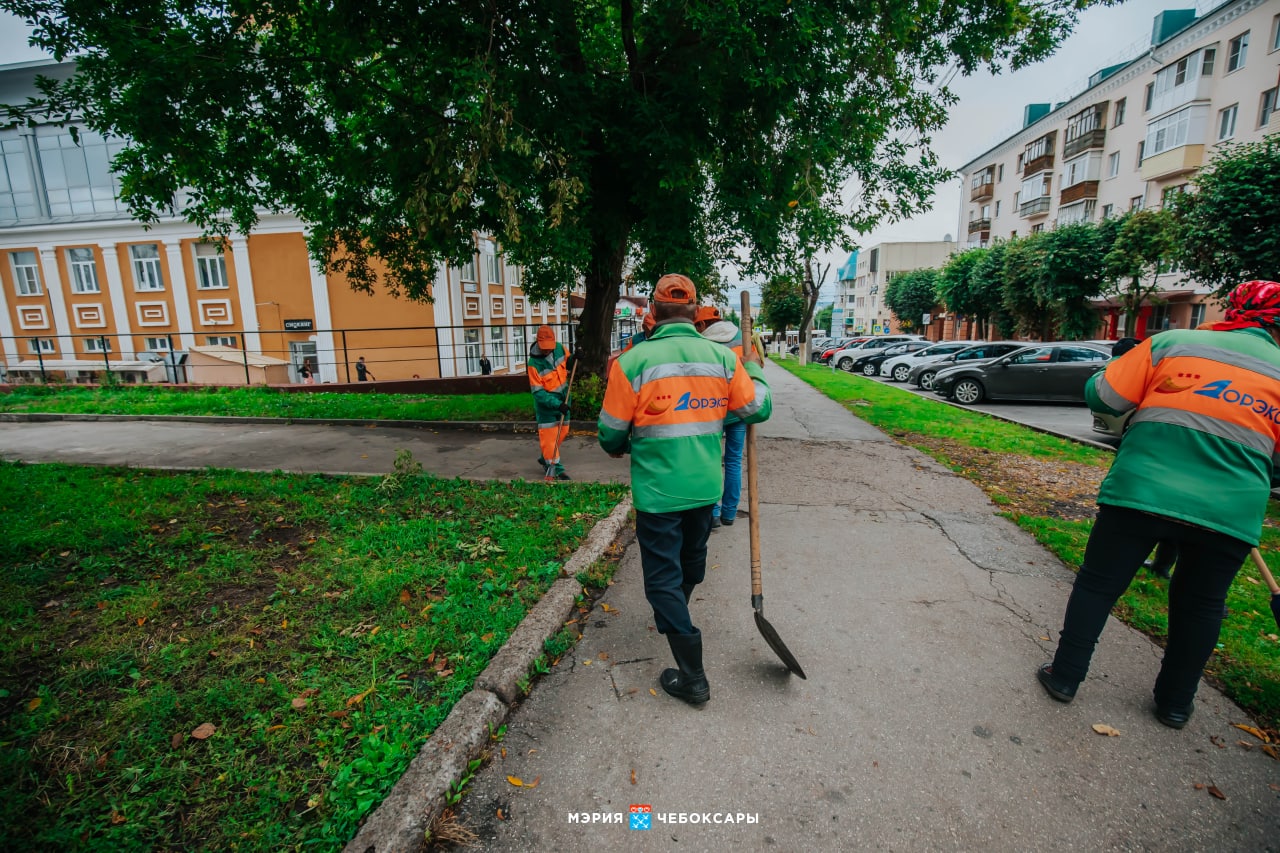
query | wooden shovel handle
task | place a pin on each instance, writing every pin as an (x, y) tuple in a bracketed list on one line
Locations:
[(1264, 571), (753, 494)]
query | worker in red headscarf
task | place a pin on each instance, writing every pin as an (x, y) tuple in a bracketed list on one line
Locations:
[(1195, 468)]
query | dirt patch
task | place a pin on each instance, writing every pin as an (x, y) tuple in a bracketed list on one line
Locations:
[(1022, 485)]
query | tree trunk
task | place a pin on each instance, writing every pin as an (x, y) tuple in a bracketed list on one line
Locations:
[(595, 324), (811, 291)]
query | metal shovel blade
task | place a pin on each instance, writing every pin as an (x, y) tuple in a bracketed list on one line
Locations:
[(780, 648)]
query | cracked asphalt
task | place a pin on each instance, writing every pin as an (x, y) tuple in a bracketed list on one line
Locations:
[(919, 615)]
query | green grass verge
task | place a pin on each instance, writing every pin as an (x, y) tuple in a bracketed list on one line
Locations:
[(322, 626), (267, 403), (1247, 663)]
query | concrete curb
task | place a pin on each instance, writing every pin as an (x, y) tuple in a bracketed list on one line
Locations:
[(470, 426), (402, 822)]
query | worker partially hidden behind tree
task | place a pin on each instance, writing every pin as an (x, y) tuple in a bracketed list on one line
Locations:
[(1195, 470), (665, 403)]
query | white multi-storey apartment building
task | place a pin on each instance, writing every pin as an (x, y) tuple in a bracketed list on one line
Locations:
[(1133, 138), (865, 311)]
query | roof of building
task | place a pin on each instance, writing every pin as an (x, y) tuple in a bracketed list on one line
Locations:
[(231, 355)]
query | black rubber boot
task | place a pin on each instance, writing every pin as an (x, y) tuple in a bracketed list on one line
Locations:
[(688, 682)]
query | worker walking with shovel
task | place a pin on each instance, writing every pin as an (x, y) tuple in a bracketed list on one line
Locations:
[(665, 404), (549, 366)]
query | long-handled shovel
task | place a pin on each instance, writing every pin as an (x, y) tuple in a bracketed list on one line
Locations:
[(753, 519), (551, 466), (1271, 582)]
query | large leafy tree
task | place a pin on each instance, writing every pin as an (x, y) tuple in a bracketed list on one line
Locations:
[(911, 295), (587, 136), (967, 294), (1023, 259), (1228, 229), (782, 304), (1142, 239), (987, 278), (1071, 277)]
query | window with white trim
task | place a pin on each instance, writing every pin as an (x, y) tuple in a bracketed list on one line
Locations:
[(1237, 51), (468, 269), (1267, 108), (26, 273), (145, 260), (1275, 33), (1119, 119), (94, 345), (1108, 210), (211, 267), (84, 271), (1206, 61), (492, 273), (1135, 203), (1227, 122), (471, 349), (519, 345), (156, 344), (220, 340), (40, 345), (1173, 131), (1080, 212), (1034, 188), (1082, 168), (498, 347), (1113, 164), (1197, 315)]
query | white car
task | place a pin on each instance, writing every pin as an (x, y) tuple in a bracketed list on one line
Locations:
[(899, 367), (845, 358)]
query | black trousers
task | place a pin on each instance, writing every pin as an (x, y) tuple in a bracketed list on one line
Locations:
[(1121, 539), (673, 554)]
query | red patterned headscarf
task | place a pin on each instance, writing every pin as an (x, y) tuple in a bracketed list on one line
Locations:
[(1254, 303)]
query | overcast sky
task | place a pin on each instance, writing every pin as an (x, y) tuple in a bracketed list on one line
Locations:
[(989, 108)]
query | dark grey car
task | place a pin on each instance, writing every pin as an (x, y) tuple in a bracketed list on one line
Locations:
[(923, 374), (1052, 371)]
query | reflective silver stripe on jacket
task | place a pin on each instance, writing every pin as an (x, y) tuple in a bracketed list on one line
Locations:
[(614, 423), (1251, 439), (679, 430), (754, 406), (681, 368), (1110, 396), (1222, 355)]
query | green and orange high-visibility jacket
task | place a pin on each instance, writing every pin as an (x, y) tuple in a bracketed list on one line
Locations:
[(1202, 445), (666, 402), (549, 382)]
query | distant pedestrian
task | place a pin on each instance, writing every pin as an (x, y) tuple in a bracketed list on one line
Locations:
[(665, 403), (362, 371), (304, 373), (1194, 470), (548, 368), (485, 367)]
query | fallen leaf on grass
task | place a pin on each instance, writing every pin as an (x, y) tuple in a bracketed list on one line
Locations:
[(117, 818), (298, 703), (338, 715), (487, 637), (405, 596), (1251, 580), (34, 703), (271, 729), (1251, 730), (1104, 729), (141, 620), (359, 698), (1213, 789), (203, 731), (101, 763), (176, 740)]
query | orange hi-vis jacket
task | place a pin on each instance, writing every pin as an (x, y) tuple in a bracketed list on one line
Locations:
[(549, 382), (1202, 445), (666, 402)]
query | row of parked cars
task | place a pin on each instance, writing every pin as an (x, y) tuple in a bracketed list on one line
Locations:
[(972, 371)]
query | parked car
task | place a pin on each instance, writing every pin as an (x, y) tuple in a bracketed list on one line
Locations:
[(1114, 425), (844, 358), (922, 374), (898, 367), (1049, 371), (869, 364), (818, 345), (825, 356)]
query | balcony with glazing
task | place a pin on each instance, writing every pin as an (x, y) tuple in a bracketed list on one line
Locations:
[(982, 185), (1039, 155)]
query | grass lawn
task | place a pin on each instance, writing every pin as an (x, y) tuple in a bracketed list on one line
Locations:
[(985, 449), (266, 402), (225, 660)]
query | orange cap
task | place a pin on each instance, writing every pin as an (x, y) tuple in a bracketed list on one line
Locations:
[(707, 314), (675, 289), (546, 337)]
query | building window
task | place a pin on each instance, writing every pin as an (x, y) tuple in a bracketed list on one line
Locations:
[(1168, 193), (17, 190), (1037, 228), (1227, 122), (1146, 103), (1275, 33), (1000, 173), (1135, 203), (471, 349), (491, 261), (1206, 62), (77, 172), (146, 267), (498, 346), (1237, 50), (1268, 107), (40, 345), (1113, 164), (94, 345), (26, 274), (1141, 149), (997, 208), (211, 267), (156, 344), (469, 269), (84, 272), (1119, 119), (1083, 168), (518, 346), (1108, 210), (221, 341), (1197, 315)]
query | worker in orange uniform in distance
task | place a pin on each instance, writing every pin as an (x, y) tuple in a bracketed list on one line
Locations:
[(548, 367)]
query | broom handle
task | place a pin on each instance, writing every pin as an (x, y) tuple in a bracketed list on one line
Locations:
[(1264, 571), (753, 494)]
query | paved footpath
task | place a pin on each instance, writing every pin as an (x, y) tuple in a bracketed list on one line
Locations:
[(919, 616)]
